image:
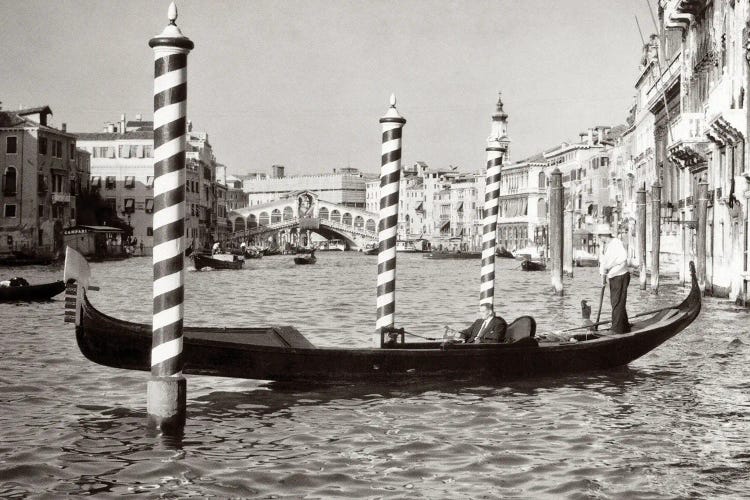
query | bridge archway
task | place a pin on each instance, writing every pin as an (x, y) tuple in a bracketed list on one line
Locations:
[(252, 221), (275, 216), (359, 222), (336, 215), (370, 225), (288, 213), (264, 219), (239, 224), (323, 213), (347, 219)]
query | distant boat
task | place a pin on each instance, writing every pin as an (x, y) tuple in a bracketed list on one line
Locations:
[(585, 259), (306, 259), (371, 249), (503, 253), (217, 261), (332, 245), (453, 255), (418, 245), (28, 293), (527, 253), (530, 265)]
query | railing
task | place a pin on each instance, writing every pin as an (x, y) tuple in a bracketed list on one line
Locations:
[(688, 127)]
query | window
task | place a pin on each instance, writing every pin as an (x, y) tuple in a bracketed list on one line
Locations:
[(41, 210), (149, 205), (9, 182), (148, 151), (11, 145), (72, 150), (129, 181), (42, 145), (10, 210), (96, 181), (111, 204), (149, 182), (129, 205), (124, 151), (110, 184), (58, 149), (149, 231)]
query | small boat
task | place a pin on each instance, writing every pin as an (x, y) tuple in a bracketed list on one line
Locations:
[(503, 253), (251, 253), (274, 250), (418, 245), (282, 353), (585, 259), (533, 265), (371, 251), (306, 259), (28, 293), (215, 262), (332, 245), (453, 255)]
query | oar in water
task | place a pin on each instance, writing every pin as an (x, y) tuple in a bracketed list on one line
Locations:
[(601, 301)]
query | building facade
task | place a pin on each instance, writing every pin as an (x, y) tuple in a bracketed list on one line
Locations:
[(42, 172)]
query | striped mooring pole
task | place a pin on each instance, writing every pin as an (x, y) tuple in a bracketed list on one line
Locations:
[(167, 387), (495, 151), (390, 181), (556, 229)]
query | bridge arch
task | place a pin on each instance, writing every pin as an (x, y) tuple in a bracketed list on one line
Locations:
[(239, 224), (347, 219), (336, 215), (275, 216), (370, 225), (288, 213), (323, 213), (359, 222), (252, 221), (264, 219)]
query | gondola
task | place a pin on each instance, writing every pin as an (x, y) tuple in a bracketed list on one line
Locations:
[(531, 265), (44, 291), (306, 259), (371, 251), (282, 353), (202, 261)]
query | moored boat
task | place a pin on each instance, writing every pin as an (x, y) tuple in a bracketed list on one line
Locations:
[(417, 245), (28, 293), (503, 253), (282, 353), (332, 245), (202, 261), (532, 265)]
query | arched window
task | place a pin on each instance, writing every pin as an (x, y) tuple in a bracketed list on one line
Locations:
[(323, 213), (288, 213), (541, 208), (9, 181), (275, 216), (370, 225), (263, 219), (359, 222), (347, 219), (407, 218), (239, 224), (336, 216), (252, 221)]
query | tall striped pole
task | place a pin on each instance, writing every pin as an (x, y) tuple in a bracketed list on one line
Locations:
[(167, 388), (641, 226), (655, 235), (495, 152), (390, 180)]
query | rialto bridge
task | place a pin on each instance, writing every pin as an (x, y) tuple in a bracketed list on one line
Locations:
[(290, 219)]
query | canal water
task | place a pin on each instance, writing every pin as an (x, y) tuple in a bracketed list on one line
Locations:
[(673, 424)]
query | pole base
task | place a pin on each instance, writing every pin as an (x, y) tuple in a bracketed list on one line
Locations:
[(166, 403)]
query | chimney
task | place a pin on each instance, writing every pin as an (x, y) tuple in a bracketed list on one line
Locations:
[(122, 123), (138, 117), (64, 127), (111, 128), (278, 171), (591, 136)]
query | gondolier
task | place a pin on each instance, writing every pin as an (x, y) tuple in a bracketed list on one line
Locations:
[(613, 268)]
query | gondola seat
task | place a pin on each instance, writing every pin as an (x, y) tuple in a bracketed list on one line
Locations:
[(522, 331)]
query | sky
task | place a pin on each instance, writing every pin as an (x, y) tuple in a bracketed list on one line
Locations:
[(304, 83)]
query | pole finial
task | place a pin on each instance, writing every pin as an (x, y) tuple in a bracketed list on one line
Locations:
[(393, 100), (172, 13)]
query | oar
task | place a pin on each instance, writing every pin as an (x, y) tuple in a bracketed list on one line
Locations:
[(601, 300), (605, 321)]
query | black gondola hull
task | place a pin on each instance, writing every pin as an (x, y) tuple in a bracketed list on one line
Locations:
[(30, 293), (203, 261), (281, 353)]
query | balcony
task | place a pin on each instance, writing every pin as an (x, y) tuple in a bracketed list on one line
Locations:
[(60, 198)]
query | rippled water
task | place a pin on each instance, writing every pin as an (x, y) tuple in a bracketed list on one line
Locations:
[(675, 423)]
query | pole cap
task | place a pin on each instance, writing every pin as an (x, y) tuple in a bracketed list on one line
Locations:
[(171, 36), (392, 115)]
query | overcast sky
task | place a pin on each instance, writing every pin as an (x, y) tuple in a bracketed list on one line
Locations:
[(303, 83)]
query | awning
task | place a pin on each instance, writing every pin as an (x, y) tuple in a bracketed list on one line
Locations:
[(420, 207), (460, 207), (445, 225), (129, 181), (150, 181), (149, 205), (129, 203), (96, 180)]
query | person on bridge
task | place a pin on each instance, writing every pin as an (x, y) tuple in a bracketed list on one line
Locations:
[(487, 329), (613, 267)]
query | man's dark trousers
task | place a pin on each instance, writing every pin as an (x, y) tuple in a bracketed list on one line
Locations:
[(618, 294)]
